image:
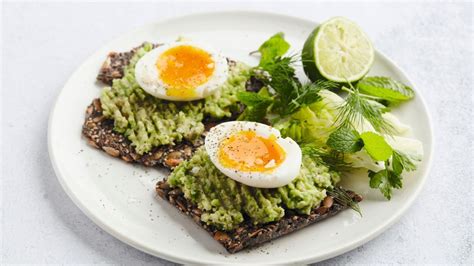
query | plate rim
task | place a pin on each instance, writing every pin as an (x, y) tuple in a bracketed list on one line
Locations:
[(335, 252)]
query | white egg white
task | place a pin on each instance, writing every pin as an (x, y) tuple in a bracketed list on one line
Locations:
[(147, 76), (279, 176)]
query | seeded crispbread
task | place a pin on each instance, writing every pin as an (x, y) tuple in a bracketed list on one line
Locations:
[(100, 134), (248, 235)]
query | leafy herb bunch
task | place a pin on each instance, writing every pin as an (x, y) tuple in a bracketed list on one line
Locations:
[(284, 94)]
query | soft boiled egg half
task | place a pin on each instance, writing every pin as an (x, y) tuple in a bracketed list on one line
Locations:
[(253, 154), (181, 71)]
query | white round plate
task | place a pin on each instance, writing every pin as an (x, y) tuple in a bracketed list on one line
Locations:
[(120, 197)]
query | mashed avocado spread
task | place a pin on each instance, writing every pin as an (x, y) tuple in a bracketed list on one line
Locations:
[(224, 202), (148, 121)]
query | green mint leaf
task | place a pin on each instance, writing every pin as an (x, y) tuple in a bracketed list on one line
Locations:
[(376, 146), (345, 140), (385, 88), (252, 98), (272, 48)]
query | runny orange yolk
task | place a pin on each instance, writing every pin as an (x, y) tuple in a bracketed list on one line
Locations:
[(183, 68), (246, 151)]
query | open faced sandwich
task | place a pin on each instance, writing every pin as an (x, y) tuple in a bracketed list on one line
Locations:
[(256, 152)]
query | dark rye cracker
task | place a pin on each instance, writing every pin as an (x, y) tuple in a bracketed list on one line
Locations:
[(99, 130), (249, 235), (113, 66), (100, 134)]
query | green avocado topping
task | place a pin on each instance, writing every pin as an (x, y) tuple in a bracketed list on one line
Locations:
[(148, 121), (224, 202)]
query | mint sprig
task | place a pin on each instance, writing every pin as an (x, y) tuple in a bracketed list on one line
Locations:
[(345, 140), (385, 88)]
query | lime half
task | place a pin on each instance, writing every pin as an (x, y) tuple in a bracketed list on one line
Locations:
[(337, 50)]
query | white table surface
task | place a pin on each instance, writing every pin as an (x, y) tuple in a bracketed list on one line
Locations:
[(44, 43)]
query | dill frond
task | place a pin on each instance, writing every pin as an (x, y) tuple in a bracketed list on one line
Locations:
[(357, 108), (342, 197)]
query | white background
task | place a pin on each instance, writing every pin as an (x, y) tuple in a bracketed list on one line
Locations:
[(43, 43)]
